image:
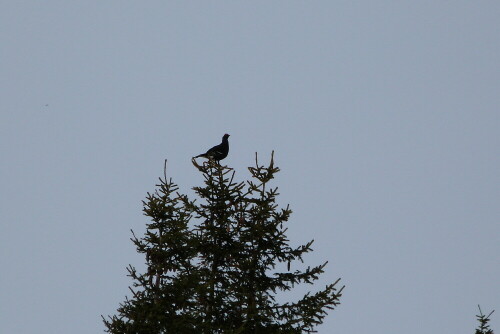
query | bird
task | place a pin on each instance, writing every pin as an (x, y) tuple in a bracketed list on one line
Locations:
[(217, 152)]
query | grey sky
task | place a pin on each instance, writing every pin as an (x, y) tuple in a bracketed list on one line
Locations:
[(384, 118)]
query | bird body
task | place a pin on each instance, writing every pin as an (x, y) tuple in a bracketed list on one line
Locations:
[(217, 152)]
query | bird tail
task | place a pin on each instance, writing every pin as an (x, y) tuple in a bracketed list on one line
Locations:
[(200, 156)]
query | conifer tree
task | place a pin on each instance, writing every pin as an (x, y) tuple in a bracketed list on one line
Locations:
[(215, 264), (484, 327)]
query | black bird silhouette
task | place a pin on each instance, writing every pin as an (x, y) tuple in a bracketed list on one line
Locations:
[(217, 152)]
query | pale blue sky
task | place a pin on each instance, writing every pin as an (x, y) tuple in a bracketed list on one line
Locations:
[(384, 118)]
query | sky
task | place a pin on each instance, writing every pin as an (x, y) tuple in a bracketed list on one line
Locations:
[(383, 116)]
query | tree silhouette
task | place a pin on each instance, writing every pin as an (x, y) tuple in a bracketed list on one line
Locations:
[(215, 264), (484, 327)]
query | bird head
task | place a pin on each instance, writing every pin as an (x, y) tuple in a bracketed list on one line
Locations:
[(226, 136)]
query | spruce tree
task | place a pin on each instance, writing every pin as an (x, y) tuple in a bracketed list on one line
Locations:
[(216, 263), (484, 327)]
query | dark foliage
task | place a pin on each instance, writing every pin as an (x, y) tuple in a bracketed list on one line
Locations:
[(484, 327), (216, 264)]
